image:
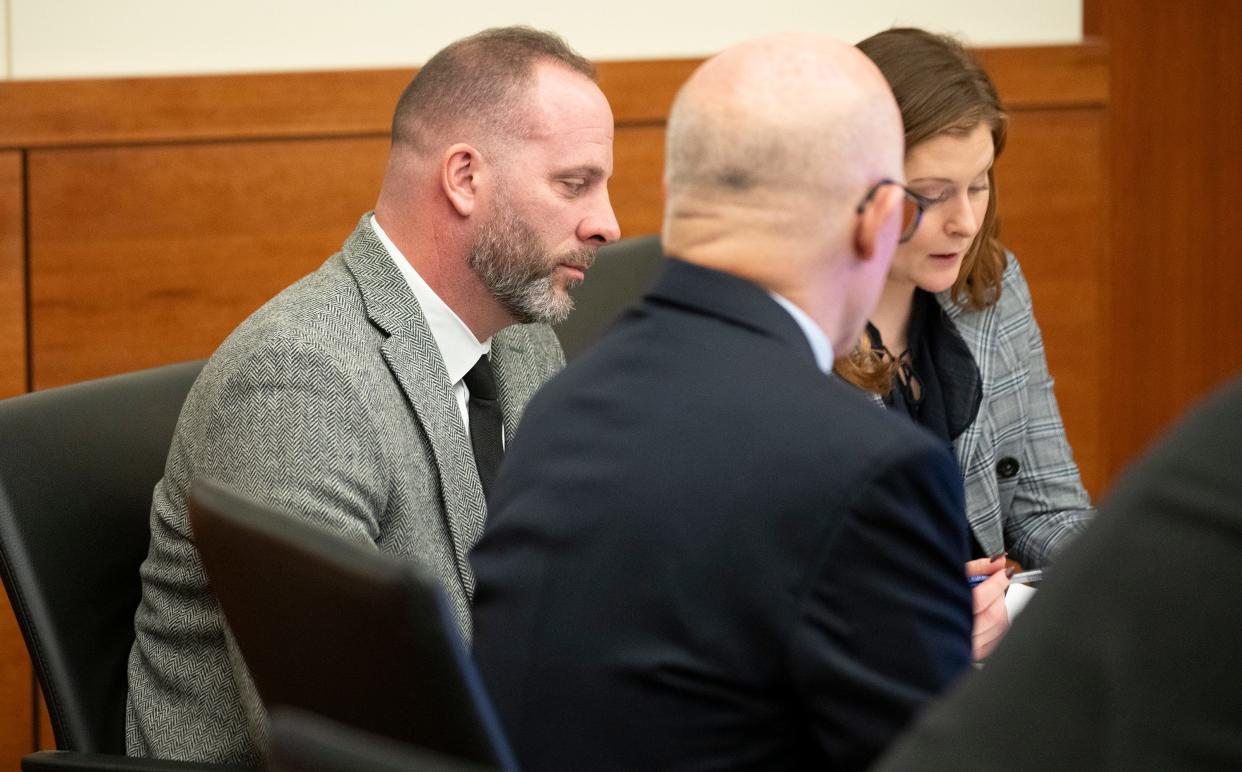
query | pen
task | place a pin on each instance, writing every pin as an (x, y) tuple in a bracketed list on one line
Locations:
[(1022, 577), (975, 581)]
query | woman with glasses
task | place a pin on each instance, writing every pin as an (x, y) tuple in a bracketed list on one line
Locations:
[(953, 341)]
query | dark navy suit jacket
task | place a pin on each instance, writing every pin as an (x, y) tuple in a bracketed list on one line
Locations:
[(704, 553)]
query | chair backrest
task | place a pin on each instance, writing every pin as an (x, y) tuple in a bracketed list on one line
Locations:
[(302, 742), (338, 629), (622, 272), (77, 468)]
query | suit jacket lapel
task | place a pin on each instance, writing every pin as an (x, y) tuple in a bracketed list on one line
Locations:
[(414, 359), (514, 382)]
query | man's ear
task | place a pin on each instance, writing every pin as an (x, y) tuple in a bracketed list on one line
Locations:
[(460, 168), (880, 222)]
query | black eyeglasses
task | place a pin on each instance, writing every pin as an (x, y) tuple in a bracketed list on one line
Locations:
[(912, 207)]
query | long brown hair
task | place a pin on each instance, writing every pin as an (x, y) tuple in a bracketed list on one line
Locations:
[(940, 89)]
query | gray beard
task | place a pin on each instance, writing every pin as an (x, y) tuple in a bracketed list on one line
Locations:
[(514, 266)]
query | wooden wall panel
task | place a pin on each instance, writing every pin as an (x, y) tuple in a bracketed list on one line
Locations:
[(56, 113), (1050, 183), (1092, 18), (1176, 182), (1048, 76), (209, 108), (16, 692), (12, 277), (152, 254), (45, 737), (15, 684), (636, 189)]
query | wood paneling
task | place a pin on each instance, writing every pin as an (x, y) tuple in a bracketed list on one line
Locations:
[(15, 679), (1050, 183), (45, 739), (1092, 18), (12, 277), (1049, 76), (643, 92), (319, 104), (1176, 195), (146, 255), (16, 692), (133, 110), (636, 188)]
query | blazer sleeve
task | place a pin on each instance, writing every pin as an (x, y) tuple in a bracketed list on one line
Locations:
[(1049, 504), (290, 428), (884, 624)]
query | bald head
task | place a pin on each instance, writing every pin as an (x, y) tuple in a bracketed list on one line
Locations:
[(785, 110), (771, 146)]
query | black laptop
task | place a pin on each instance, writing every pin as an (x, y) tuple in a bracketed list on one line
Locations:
[(338, 629)]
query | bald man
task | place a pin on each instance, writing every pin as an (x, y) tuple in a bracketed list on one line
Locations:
[(375, 395), (705, 552)]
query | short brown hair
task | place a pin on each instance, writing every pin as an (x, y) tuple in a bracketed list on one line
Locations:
[(483, 78), (940, 89)]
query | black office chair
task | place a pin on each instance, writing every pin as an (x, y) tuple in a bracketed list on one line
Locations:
[(338, 629), (622, 272), (302, 742), (77, 468)]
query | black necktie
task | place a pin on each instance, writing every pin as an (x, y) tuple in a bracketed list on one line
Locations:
[(486, 422)]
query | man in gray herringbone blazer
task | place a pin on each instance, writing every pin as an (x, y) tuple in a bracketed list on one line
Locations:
[(343, 400)]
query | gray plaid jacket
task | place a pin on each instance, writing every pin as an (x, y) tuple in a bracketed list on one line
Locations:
[(1023, 492), (330, 402)]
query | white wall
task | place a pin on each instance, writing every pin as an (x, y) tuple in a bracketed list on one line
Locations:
[(4, 39), (73, 38)]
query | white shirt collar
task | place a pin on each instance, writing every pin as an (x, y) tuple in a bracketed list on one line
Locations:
[(820, 344), (458, 347)]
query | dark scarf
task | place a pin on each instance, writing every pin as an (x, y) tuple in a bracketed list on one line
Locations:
[(938, 383)]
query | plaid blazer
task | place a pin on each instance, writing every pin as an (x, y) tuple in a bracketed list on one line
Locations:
[(330, 402), (1023, 492)]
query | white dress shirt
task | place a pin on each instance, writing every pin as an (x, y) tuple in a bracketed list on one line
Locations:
[(820, 345), (458, 347)]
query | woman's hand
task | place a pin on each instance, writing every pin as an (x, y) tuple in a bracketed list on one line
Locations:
[(991, 618)]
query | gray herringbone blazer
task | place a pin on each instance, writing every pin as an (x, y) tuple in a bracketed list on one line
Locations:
[(331, 402), (1023, 492)]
